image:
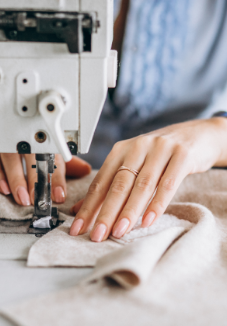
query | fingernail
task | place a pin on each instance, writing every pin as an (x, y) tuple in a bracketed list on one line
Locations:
[(59, 195), (4, 187), (121, 228), (77, 226), (98, 233), (23, 196), (148, 220)]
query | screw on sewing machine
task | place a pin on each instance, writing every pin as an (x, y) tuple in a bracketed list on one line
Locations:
[(43, 205), (50, 107), (72, 147), (23, 148), (40, 137)]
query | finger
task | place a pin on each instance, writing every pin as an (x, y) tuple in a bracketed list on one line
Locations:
[(97, 193), (59, 190), (113, 205), (15, 176), (176, 171), (75, 209), (77, 168), (4, 187), (142, 192), (31, 174), (79, 222), (118, 194)]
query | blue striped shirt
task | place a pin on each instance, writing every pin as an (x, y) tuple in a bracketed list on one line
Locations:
[(167, 44), (173, 68)]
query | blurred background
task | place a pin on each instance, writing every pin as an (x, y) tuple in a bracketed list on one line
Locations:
[(172, 68)]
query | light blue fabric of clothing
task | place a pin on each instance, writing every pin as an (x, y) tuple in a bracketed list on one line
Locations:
[(174, 56), (173, 69), (155, 41)]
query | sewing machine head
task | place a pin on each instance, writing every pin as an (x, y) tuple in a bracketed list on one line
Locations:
[(56, 65)]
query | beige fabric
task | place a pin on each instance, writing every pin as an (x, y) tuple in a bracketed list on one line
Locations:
[(166, 221), (17, 246), (58, 248), (76, 190), (183, 285), (132, 265), (10, 211)]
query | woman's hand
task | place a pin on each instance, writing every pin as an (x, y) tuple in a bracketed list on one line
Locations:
[(12, 179), (163, 158)]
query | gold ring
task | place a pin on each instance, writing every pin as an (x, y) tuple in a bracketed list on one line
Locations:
[(122, 168)]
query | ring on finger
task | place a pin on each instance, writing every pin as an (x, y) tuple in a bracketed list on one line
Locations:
[(125, 168)]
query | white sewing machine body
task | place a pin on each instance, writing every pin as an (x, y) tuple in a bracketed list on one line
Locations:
[(30, 69)]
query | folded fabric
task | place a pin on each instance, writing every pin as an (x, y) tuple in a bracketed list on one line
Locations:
[(58, 248), (9, 210), (177, 276), (16, 245), (132, 265)]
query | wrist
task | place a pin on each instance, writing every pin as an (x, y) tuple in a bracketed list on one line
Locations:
[(219, 135)]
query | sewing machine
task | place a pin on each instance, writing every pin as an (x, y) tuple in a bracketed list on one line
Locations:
[(56, 65)]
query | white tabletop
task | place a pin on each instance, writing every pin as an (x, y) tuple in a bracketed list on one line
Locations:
[(18, 282)]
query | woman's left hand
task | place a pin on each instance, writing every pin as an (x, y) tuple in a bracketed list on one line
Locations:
[(163, 158)]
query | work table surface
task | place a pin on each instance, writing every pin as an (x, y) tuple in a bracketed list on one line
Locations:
[(18, 282)]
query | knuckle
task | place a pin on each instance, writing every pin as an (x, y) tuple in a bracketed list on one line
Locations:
[(84, 212), (159, 205), (144, 183), (182, 151), (95, 188), (141, 142), (168, 184), (117, 146), (130, 212), (118, 187), (162, 141)]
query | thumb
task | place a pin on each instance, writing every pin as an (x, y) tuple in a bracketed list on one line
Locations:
[(77, 168)]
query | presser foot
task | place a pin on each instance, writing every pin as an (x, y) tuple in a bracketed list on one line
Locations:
[(45, 217), (26, 226), (41, 226)]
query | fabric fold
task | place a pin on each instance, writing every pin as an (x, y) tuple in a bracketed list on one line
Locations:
[(132, 264), (58, 248), (176, 275)]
